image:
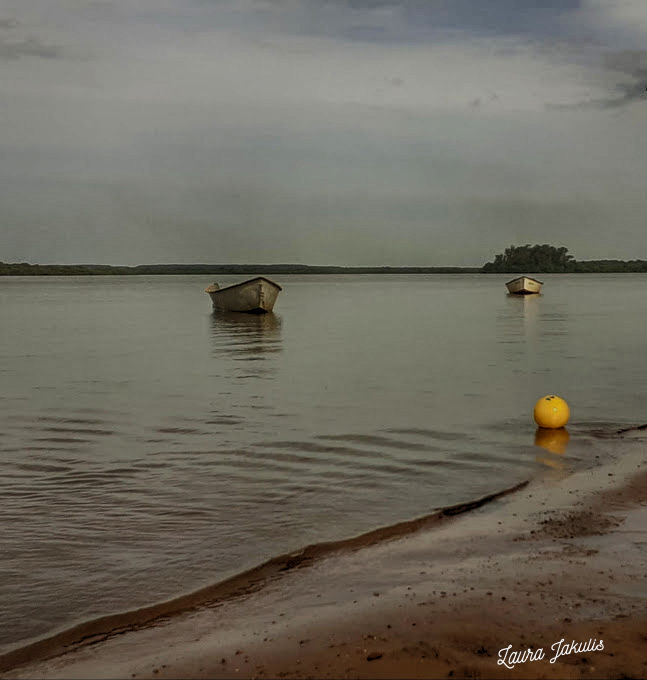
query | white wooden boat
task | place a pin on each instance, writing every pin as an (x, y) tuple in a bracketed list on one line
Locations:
[(524, 285), (256, 296)]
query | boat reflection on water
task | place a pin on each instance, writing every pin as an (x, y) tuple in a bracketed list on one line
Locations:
[(519, 323), (555, 441), (245, 337)]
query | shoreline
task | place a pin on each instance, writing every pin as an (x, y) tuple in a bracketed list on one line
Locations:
[(241, 584), (565, 559)]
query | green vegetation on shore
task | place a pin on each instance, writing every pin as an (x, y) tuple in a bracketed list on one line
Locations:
[(24, 269), (547, 259), (525, 259), (531, 259)]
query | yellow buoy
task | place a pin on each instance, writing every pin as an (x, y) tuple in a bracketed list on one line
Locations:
[(551, 412)]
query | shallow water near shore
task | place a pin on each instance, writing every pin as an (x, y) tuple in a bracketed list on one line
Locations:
[(149, 446)]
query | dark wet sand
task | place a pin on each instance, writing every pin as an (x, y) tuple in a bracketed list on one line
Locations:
[(560, 559)]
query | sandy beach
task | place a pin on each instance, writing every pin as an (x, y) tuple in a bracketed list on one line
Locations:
[(556, 566)]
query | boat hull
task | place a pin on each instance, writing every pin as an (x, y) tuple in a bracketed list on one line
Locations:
[(524, 285), (256, 296)]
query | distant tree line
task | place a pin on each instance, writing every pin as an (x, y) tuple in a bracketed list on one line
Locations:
[(26, 269), (525, 259), (550, 259), (610, 266)]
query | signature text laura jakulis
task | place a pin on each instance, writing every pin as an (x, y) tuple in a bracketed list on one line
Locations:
[(509, 657)]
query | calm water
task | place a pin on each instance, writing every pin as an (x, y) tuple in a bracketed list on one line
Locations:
[(149, 447)]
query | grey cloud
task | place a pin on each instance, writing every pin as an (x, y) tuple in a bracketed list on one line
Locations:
[(30, 47), (14, 44), (634, 64), (411, 21), (628, 95), (630, 67)]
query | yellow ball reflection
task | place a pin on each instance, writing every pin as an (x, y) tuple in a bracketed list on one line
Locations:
[(554, 440)]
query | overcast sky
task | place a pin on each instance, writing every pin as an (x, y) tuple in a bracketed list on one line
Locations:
[(350, 132)]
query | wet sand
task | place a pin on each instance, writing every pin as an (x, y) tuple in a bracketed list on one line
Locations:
[(561, 559)]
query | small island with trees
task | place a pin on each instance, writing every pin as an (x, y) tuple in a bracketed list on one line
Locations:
[(526, 259), (547, 259)]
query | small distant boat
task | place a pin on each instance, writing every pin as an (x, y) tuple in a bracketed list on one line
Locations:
[(255, 296), (524, 285)]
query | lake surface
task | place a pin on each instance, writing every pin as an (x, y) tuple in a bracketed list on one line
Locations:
[(149, 446)]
